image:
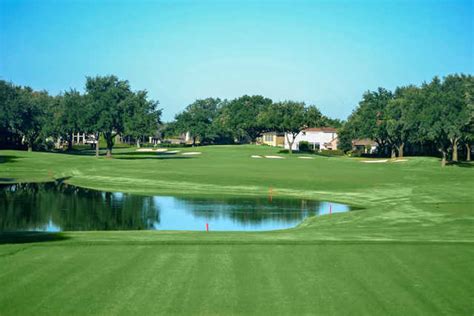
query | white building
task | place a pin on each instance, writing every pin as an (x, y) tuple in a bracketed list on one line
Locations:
[(319, 138)]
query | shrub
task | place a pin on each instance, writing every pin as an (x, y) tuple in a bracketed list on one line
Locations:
[(336, 152), (304, 147), (354, 153)]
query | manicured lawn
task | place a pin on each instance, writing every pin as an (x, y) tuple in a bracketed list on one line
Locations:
[(408, 251)]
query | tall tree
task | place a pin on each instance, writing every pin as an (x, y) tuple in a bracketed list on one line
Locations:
[(287, 117), (457, 115), (239, 116), (69, 115), (368, 119), (142, 116), (108, 99), (401, 117), (197, 120), (28, 114)]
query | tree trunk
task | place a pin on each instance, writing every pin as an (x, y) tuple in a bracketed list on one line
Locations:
[(110, 143), (468, 152), (455, 149), (400, 150), (69, 142), (97, 145), (393, 153), (290, 143), (194, 141), (30, 147), (443, 159), (138, 143)]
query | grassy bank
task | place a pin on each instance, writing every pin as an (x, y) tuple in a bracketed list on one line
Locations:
[(408, 251)]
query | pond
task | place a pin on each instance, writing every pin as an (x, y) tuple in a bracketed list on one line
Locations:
[(58, 206)]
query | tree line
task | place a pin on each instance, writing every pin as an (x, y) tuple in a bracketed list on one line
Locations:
[(108, 108), (243, 119), (436, 116)]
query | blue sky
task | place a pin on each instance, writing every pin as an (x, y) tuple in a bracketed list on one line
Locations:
[(325, 53)]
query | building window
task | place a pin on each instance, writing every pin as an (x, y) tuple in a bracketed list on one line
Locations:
[(268, 138)]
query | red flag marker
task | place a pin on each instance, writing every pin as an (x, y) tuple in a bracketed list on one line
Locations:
[(207, 227)]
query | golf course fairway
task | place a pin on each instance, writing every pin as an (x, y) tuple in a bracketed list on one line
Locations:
[(407, 248)]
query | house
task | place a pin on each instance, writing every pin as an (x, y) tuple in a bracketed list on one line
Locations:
[(366, 146), (319, 138), (272, 139)]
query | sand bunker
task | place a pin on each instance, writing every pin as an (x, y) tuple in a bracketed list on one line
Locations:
[(375, 161), (145, 149), (274, 157), (400, 160), (192, 153), (161, 150), (256, 156), (306, 157)]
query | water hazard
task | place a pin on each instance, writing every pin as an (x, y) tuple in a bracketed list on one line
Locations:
[(62, 207)]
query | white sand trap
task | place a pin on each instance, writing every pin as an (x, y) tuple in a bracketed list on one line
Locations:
[(375, 161), (192, 153), (170, 152), (400, 160), (256, 156), (306, 157), (274, 157), (161, 150), (145, 149)]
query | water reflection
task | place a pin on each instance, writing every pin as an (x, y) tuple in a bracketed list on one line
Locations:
[(63, 207)]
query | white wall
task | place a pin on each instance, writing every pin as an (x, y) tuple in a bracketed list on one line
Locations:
[(311, 138)]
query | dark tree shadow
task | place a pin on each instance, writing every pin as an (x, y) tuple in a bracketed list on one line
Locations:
[(8, 158), (29, 237), (463, 164), (7, 180)]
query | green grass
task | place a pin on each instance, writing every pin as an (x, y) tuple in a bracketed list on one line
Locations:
[(408, 251)]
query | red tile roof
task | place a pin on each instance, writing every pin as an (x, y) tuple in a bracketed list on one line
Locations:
[(321, 129)]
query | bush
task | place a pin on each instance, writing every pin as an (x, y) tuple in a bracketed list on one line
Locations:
[(170, 145), (336, 152), (354, 153), (304, 147)]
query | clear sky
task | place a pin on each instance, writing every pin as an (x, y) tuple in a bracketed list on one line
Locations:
[(325, 53)]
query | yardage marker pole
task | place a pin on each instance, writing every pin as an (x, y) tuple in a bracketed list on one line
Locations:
[(330, 209)]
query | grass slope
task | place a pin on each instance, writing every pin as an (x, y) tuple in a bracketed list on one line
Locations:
[(409, 251)]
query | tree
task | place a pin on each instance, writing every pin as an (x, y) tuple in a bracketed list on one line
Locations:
[(457, 115), (197, 120), (108, 99), (401, 117), (468, 129), (8, 95), (142, 116), (69, 115), (287, 117), (238, 116), (28, 114), (313, 117), (368, 119)]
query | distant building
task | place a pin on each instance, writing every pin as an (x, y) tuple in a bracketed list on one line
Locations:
[(272, 139), (319, 138), (366, 146)]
